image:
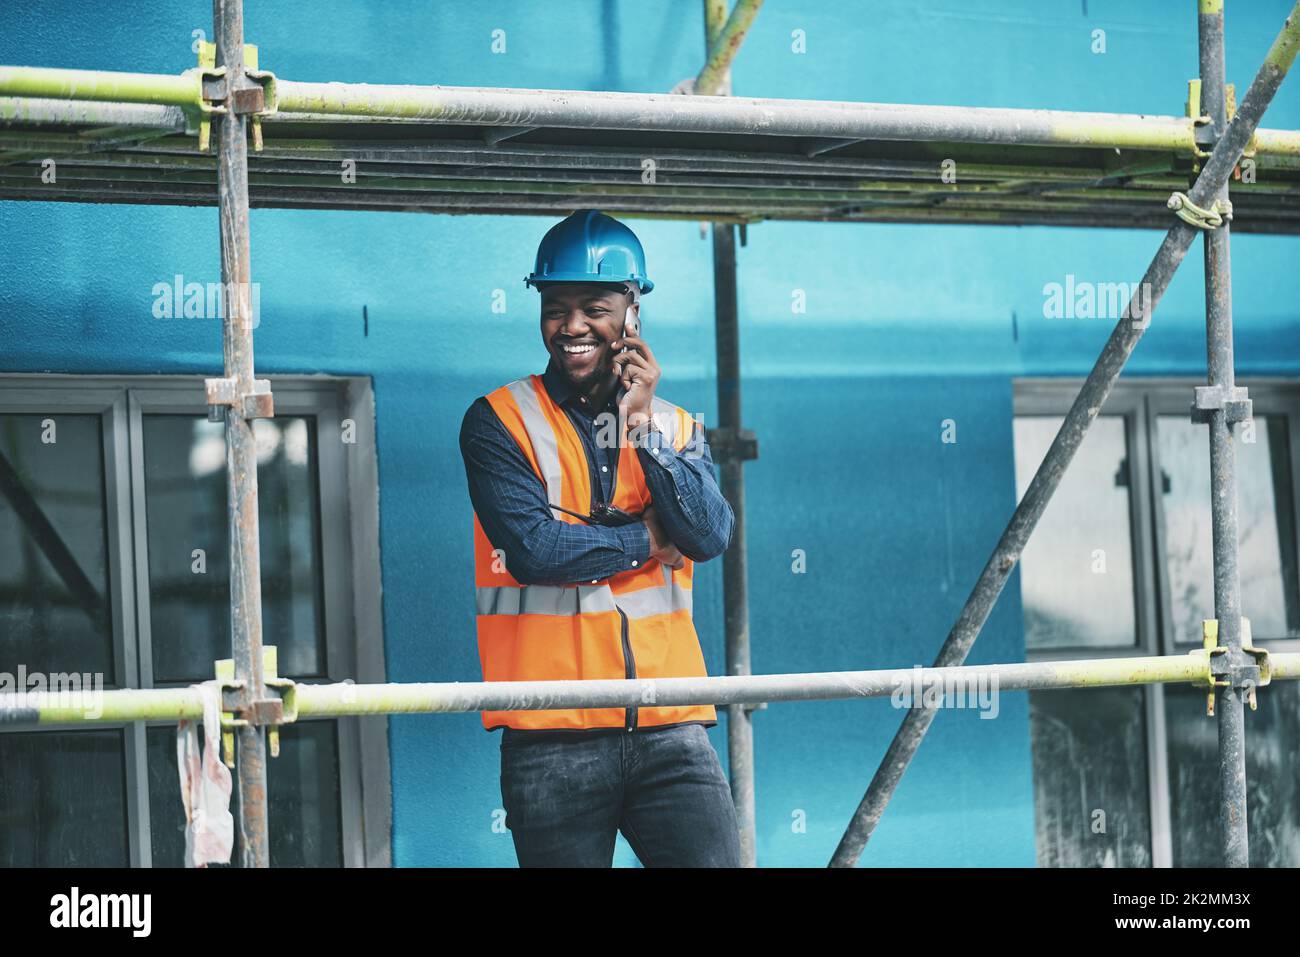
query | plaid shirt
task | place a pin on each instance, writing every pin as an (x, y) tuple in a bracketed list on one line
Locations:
[(539, 547)]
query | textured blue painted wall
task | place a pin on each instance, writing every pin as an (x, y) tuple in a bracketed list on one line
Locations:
[(905, 326)]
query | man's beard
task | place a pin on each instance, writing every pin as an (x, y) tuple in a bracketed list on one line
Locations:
[(593, 378)]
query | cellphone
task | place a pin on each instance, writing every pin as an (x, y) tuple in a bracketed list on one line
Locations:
[(631, 325)]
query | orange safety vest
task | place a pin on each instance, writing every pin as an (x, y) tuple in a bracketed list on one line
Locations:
[(635, 624)]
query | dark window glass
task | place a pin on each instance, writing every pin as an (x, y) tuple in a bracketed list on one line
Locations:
[(1076, 573), (63, 793), (189, 583), (305, 812), (1266, 525), (1091, 800), (54, 592), (1272, 777), (1090, 746), (63, 799)]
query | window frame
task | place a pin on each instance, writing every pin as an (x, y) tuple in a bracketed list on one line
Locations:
[(351, 608), (1043, 398), (1266, 397), (1141, 400)]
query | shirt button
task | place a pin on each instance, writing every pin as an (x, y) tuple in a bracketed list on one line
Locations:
[(604, 468), (634, 563)]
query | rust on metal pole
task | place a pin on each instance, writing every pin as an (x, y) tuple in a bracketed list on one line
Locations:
[(1230, 706), (724, 35), (241, 450)]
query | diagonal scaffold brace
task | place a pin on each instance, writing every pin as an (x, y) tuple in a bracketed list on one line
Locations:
[(1207, 191)]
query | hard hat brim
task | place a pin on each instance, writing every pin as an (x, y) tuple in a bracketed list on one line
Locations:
[(645, 285)]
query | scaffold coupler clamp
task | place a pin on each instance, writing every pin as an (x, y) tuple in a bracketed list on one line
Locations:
[(1244, 670), (1203, 132), (728, 443), (1202, 123), (210, 99), (271, 711), (253, 94), (1234, 402), (1202, 217), (224, 392)]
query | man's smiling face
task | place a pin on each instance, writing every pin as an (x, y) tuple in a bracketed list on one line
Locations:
[(580, 321)]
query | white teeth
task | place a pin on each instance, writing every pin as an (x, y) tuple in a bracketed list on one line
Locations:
[(578, 350)]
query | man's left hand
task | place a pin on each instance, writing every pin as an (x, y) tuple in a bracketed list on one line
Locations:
[(639, 373)]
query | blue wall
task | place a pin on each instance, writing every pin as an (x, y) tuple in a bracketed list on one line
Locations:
[(905, 326)]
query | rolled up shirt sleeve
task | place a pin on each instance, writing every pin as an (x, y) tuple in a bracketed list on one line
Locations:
[(691, 508), (511, 504)]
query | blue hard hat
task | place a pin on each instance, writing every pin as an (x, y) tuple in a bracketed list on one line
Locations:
[(590, 247)]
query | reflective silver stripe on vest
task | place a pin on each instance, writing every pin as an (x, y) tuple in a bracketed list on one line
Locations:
[(544, 599), (659, 600), (576, 599), (681, 597), (542, 435)]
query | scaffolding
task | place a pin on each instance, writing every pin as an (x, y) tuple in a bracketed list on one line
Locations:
[(148, 139)]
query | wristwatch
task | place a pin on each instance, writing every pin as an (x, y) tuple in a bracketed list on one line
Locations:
[(643, 431)]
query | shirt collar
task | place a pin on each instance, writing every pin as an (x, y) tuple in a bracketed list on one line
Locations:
[(562, 392)]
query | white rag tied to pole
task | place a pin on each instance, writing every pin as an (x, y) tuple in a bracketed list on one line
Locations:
[(205, 785)]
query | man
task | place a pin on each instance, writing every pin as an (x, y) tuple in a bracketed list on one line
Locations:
[(593, 498)]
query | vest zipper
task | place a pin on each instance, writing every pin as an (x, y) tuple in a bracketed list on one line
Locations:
[(613, 479), (630, 714)]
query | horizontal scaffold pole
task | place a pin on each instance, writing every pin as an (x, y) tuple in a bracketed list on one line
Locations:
[(343, 699), (740, 115), (162, 89), (650, 112), (15, 109)]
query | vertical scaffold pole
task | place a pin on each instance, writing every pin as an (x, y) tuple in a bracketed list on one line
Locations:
[(1230, 706), (735, 575), (241, 450)]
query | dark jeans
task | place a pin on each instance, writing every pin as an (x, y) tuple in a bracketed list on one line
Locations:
[(567, 799)]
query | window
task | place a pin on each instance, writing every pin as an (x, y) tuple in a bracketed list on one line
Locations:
[(114, 514), (1121, 564)]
